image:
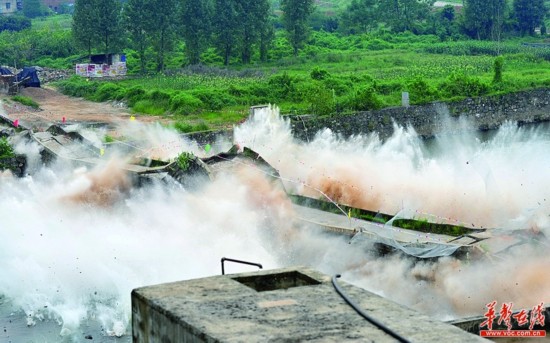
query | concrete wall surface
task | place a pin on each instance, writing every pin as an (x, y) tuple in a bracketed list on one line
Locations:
[(284, 305), (484, 113)]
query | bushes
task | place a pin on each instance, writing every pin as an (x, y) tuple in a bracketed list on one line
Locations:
[(322, 100), (134, 94), (389, 87), (183, 103), (159, 96), (318, 73), (238, 91), (283, 84), (14, 23), (340, 86), (54, 44), (378, 44), (421, 92), (214, 99), (365, 99), (107, 91), (458, 84), (186, 127), (78, 87), (30, 45), (147, 106), (252, 94), (6, 151), (184, 160), (155, 102)]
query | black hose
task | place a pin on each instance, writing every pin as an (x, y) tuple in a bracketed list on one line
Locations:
[(365, 315)]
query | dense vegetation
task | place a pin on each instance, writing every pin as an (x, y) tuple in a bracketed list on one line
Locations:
[(206, 61), (6, 152), (185, 32), (327, 78), (242, 30), (14, 23)]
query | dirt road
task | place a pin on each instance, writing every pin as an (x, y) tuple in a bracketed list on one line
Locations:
[(54, 106)]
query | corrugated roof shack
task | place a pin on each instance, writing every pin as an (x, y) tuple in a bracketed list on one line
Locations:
[(284, 305), (103, 65)]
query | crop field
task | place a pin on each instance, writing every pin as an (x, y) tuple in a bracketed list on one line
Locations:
[(332, 82)]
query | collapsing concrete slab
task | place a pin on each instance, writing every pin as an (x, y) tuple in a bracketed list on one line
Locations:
[(294, 304), (414, 236)]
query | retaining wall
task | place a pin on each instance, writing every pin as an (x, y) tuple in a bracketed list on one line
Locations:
[(484, 113)]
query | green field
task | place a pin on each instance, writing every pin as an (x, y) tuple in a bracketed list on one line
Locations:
[(59, 21), (328, 79), (335, 73)]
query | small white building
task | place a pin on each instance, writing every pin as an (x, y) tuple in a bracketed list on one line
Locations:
[(8, 6), (102, 65)]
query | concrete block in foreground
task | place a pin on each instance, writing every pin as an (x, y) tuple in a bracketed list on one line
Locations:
[(284, 305)]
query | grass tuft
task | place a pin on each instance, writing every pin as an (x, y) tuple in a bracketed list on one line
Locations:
[(25, 100)]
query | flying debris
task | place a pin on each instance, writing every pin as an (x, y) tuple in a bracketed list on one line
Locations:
[(409, 232)]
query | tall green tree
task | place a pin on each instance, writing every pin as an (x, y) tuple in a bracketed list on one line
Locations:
[(360, 16), (136, 16), (196, 27), (84, 24), (15, 48), (443, 23), (529, 14), (254, 16), (295, 18), (162, 28), (404, 15), (267, 35), (483, 18), (108, 25), (399, 15), (226, 27)]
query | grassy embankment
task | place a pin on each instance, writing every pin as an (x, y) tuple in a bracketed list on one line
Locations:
[(333, 76)]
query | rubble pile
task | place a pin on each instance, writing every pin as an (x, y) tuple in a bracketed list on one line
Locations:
[(16, 165), (48, 74)]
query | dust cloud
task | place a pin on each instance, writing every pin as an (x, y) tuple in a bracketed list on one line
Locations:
[(74, 242), (490, 182)]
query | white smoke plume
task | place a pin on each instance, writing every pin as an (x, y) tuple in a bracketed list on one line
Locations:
[(68, 254)]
